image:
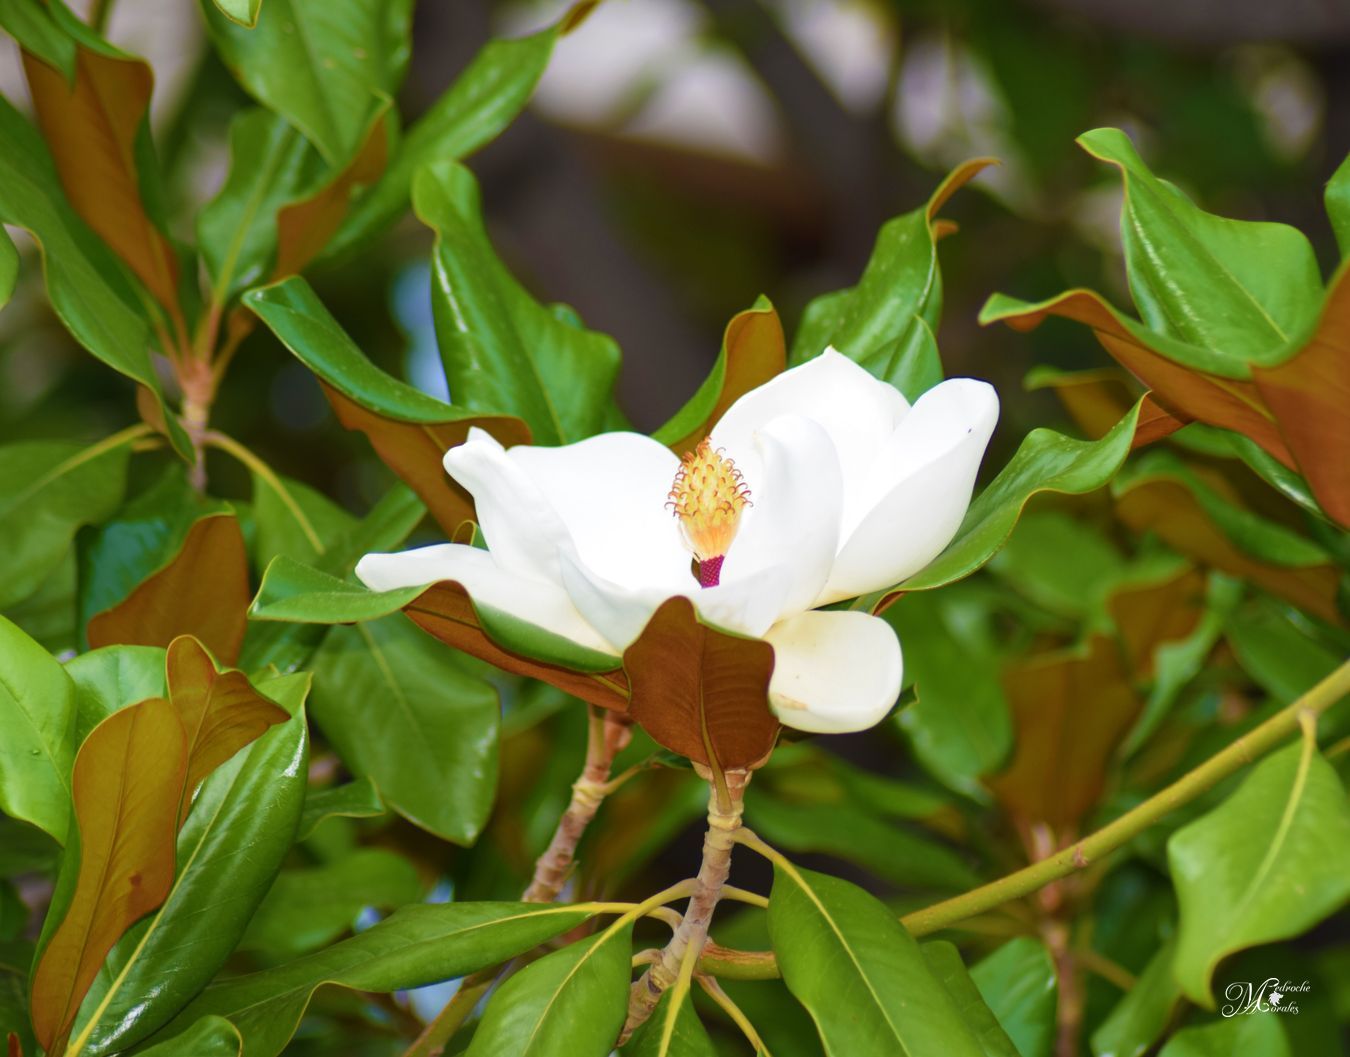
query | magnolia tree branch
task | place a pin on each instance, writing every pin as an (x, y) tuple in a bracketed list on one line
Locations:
[(747, 965), (609, 733), (724, 819)]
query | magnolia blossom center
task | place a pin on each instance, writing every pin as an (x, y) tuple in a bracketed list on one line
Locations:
[(708, 497)]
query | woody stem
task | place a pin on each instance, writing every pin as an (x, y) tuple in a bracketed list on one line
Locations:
[(724, 819)]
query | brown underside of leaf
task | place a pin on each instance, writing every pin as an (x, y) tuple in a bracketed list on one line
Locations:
[(92, 127), (1100, 399), (701, 692), (203, 591), (220, 711), (1147, 615), (1310, 397), (304, 228), (755, 352), (1168, 508), (1069, 713), (414, 452), (444, 610), (127, 780)]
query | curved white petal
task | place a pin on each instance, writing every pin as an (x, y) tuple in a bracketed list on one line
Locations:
[(857, 411), (537, 602), (834, 672), (920, 488), (620, 611), (610, 492), (523, 531), (796, 504)]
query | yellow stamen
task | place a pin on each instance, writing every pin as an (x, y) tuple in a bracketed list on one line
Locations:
[(708, 496)]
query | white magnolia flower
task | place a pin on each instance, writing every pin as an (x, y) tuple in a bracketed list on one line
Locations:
[(822, 484)]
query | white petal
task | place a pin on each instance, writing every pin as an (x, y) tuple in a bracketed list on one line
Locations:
[(620, 611), (537, 602), (523, 531), (857, 411), (796, 504), (610, 491), (834, 672), (920, 489)]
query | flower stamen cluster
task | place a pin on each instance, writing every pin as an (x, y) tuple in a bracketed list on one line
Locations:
[(708, 496)]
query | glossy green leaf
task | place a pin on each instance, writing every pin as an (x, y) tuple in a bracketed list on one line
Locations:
[(209, 1037), (1249, 1036), (570, 1003), (959, 727), (270, 164), (1142, 1014), (25, 848), (1338, 205), (503, 351), (1272, 646), (48, 489), (31, 24), (37, 729), (308, 907), (251, 802), (1237, 288), (322, 64), (484, 99), (671, 1033), (1059, 562), (860, 975), (854, 834), (293, 519), (113, 678), (886, 322), (245, 12), (1268, 863), (1045, 461), (9, 268), (415, 946), (944, 960), (356, 799), (430, 744), (87, 285), (1019, 984)]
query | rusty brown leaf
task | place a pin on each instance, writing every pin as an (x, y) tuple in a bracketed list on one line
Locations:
[(127, 781), (203, 591)]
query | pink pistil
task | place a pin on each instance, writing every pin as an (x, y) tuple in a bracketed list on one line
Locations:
[(710, 571)]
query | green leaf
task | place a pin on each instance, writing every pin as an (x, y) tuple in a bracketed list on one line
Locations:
[(1338, 205), (570, 1003), (209, 1037), (1059, 562), (229, 850), (1141, 1016), (310, 906), (1249, 1036), (48, 489), (271, 164), (503, 351), (1045, 461), (113, 678), (886, 322), (1019, 984), (323, 65), (945, 963), (850, 832), (37, 727), (31, 24), (295, 520), (245, 12), (9, 268), (960, 727), (1238, 289), (413, 947), (357, 799), (484, 99), (667, 1033), (859, 974), (1268, 863), (1272, 646), (87, 285), (430, 742)]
